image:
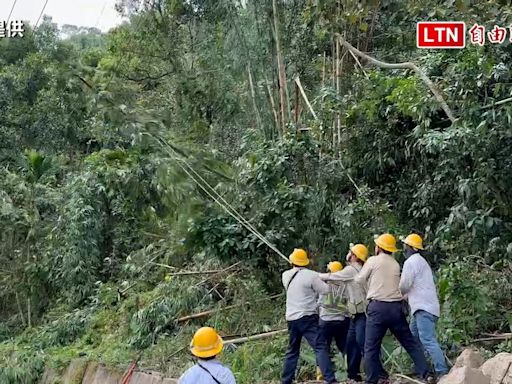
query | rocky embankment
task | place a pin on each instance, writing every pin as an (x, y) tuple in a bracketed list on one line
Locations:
[(471, 368), (84, 372)]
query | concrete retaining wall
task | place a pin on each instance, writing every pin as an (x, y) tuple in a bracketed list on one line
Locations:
[(80, 371)]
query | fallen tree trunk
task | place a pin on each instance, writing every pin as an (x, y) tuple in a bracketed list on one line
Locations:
[(212, 311), (406, 65)]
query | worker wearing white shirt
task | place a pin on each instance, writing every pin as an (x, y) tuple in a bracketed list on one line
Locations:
[(303, 287), (417, 282)]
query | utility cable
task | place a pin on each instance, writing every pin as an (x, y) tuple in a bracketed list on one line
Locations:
[(215, 196), (41, 14), (101, 14), (12, 9), (231, 212)]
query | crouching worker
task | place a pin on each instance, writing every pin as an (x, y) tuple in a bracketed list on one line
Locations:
[(303, 287), (334, 320), (206, 345)]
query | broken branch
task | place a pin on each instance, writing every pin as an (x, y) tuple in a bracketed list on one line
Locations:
[(406, 65), (212, 311), (189, 273), (497, 337), (297, 81), (408, 378)]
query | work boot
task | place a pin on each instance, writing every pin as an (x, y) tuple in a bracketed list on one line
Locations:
[(319, 376), (383, 380), (430, 379)]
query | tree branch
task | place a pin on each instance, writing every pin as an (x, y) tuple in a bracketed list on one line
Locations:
[(406, 65), (212, 311)]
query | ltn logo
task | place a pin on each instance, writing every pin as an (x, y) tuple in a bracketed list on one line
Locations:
[(441, 34)]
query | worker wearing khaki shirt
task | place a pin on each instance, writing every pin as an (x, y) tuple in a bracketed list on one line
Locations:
[(303, 288), (381, 274)]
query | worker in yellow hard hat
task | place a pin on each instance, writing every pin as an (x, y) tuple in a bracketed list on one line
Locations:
[(417, 282), (205, 346), (356, 305), (381, 274), (303, 288), (334, 319)]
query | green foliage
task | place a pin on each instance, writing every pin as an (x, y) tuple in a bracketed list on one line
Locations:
[(20, 365), (98, 133)]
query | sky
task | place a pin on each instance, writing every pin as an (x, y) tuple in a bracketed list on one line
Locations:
[(89, 13)]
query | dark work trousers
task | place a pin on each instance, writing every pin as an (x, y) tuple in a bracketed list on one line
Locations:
[(355, 345), (381, 317), (306, 327), (336, 330)]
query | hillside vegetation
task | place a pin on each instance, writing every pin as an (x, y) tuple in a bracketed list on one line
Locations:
[(108, 143)]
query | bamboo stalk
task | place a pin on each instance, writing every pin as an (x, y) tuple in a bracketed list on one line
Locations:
[(323, 72), (253, 96), (273, 105), (297, 101), (337, 73), (280, 67), (408, 378), (255, 337), (214, 274), (212, 311), (297, 81), (504, 336), (20, 309), (190, 273), (406, 65), (504, 101), (29, 313), (359, 64)]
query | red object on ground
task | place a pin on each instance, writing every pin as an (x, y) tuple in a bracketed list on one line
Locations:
[(128, 375)]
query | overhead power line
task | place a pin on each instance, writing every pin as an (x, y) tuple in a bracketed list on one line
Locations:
[(101, 14), (41, 14), (12, 9), (214, 195)]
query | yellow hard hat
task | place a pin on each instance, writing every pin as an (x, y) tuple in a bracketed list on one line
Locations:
[(414, 240), (334, 266), (299, 257), (387, 242), (360, 251), (206, 343)]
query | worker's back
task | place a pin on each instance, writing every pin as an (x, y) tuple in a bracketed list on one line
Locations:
[(381, 273), (205, 371), (302, 289)]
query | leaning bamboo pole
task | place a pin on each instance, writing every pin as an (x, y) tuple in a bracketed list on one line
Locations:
[(259, 336)]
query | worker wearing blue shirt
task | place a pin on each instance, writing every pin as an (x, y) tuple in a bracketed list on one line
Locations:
[(206, 345)]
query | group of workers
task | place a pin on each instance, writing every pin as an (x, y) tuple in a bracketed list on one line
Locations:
[(354, 306), (358, 304)]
